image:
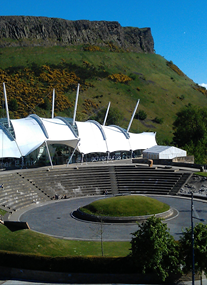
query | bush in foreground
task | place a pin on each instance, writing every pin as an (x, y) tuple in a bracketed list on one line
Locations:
[(154, 250), (200, 249)]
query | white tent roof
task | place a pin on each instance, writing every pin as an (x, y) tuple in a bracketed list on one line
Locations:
[(8, 147), (59, 133), (165, 152), (143, 140), (91, 138), (29, 135), (32, 131), (116, 140)]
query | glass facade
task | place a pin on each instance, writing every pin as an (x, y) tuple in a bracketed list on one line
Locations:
[(60, 155)]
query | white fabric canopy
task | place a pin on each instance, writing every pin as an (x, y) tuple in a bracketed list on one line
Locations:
[(29, 135), (59, 132), (143, 140), (91, 138), (116, 140), (8, 147), (33, 131)]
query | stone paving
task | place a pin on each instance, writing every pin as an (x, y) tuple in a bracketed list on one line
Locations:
[(55, 219)]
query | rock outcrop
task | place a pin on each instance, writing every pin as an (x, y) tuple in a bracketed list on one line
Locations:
[(43, 31)]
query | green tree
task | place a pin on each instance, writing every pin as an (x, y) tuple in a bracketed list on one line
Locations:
[(154, 250), (190, 131), (200, 248)]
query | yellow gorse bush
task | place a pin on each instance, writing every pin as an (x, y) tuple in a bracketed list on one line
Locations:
[(200, 89), (89, 106), (175, 68), (114, 48), (92, 48), (119, 77), (86, 63), (30, 90)]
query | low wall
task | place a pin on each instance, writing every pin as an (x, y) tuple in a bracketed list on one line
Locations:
[(171, 162), (16, 226), (185, 159)]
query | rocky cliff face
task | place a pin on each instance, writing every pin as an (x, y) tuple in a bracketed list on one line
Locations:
[(42, 31)]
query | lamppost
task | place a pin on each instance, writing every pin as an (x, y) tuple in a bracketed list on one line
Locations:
[(192, 236)]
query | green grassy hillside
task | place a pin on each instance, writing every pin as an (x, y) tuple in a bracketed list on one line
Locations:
[(31, 73)]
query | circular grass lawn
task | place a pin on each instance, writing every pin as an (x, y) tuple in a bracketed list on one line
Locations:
[(125, 206)]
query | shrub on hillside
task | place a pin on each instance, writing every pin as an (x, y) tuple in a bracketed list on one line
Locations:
[(175, 68), (132, 76), (158, 120), (141, 115)]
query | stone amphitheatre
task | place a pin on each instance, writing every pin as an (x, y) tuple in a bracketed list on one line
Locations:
[(37, 196)]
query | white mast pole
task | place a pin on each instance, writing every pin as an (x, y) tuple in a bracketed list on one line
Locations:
[(107, 111), (6, 104), (73, 152), (135, 109), (53, 103), (76, 103), (48, 154)]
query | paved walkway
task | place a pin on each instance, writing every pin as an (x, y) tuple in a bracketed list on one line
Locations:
[(54, 218)]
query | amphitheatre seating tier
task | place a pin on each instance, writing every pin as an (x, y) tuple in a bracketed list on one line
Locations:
[(29, 186), (71, 182), (17, 192), (143, 180)]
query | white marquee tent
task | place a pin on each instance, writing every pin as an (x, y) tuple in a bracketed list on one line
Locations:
[(163, 152)]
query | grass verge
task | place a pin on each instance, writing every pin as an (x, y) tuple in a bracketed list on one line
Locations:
[(29, 242), (204, 174)]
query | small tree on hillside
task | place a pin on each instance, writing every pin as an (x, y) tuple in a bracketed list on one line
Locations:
[(154, 250), (141, 115)]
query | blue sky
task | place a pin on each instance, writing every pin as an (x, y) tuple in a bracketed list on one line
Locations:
[(179, 28)]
